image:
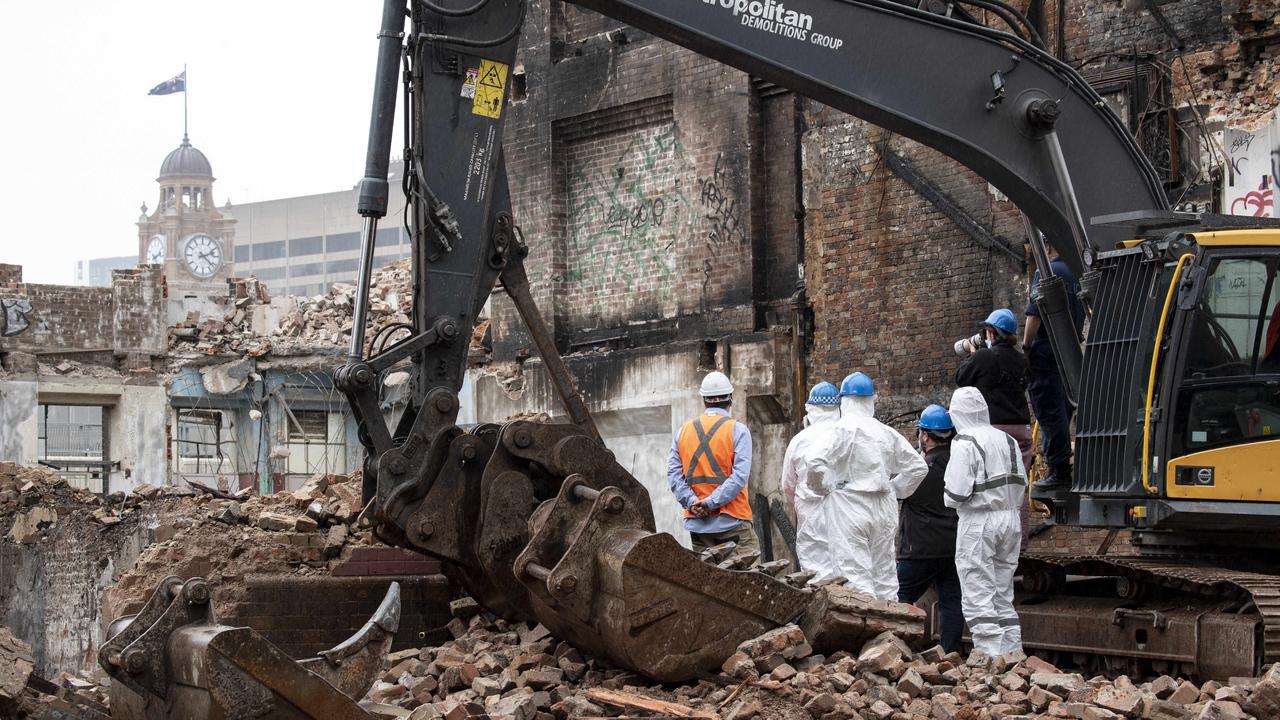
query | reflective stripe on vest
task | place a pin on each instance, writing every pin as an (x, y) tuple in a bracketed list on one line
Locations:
[(706, 452), (991, 483)]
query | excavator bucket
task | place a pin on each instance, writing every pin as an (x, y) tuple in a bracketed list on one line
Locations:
[(173, 660)]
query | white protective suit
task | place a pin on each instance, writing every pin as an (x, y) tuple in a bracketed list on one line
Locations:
[(872, 466), (986, 484), (804, 472)]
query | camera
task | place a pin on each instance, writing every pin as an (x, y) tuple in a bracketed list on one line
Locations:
[(969, 344)]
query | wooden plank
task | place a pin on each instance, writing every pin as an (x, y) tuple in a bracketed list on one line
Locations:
[(631, 700)]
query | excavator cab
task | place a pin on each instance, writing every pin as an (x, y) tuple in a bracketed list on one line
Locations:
[(1179, 416)]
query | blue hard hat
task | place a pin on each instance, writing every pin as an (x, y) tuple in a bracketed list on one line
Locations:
[(824, 393), (936, 418), (857, 385), (1003, 320)]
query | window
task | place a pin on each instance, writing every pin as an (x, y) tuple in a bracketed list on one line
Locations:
[(344, 266), (388, 237), (1233, 334), (268, 250), (243, 253), (306, 246), (204, 442), (70, 432), (339, 243), (1228, 329), (301, 271), (265, 274), (70, 438), (317, 442)]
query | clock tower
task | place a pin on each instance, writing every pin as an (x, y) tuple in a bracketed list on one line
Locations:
[(186, 234)]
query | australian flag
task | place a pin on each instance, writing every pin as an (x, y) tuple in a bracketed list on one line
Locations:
[(177, 83)]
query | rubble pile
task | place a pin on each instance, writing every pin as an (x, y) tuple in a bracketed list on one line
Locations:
[(36, 501), (493, 669), (255, 324), (223, 538)]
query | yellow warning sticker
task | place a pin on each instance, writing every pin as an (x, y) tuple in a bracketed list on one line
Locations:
[(491, 88)]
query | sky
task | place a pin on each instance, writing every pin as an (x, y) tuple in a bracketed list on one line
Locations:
[(278, 100)]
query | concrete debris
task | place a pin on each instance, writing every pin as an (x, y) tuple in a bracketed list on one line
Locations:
[(495, 669)]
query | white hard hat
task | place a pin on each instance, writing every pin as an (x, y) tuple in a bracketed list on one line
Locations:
[(716, 384)]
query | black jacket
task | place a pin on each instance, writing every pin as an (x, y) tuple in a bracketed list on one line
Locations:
[(928, 527), (1000, 374)]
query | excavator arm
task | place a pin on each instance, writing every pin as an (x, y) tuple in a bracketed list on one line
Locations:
[(538, 520)]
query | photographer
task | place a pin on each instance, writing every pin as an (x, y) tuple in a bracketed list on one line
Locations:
[(999, 370)]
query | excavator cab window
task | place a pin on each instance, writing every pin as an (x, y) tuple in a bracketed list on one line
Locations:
[(1230, 388)]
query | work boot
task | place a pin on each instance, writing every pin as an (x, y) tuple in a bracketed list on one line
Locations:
[(1058, 479)]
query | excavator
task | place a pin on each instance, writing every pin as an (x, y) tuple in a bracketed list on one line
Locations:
[(1177, 382)]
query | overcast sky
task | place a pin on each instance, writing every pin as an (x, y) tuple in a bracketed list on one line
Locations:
[(279, 102)]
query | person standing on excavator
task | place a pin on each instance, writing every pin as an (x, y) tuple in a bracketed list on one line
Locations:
[(708, 468), (872, 467), (1048, 398)]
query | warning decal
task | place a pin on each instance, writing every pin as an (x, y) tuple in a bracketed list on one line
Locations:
[(469, 86), (490, 89)]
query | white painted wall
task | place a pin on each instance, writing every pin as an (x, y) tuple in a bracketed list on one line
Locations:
[(18, 428)]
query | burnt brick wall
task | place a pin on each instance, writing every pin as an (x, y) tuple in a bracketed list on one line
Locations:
[(777, 228), (125, 318), (893, 281)]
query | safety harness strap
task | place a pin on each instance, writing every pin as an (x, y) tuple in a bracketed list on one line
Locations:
[(704, 448)]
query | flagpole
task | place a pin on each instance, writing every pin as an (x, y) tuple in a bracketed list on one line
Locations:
[(184, 102)]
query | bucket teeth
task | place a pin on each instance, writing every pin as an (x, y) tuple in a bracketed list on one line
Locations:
[(773, 568), (800, 579), (718, 553)]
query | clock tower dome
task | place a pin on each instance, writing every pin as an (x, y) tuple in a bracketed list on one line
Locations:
[(186, 234)]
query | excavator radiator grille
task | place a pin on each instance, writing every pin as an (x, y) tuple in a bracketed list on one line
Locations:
[(1113, 383)]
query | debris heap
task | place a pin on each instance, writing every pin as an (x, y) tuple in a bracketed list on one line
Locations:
[(493, 669), (255, 324), (222, 538)]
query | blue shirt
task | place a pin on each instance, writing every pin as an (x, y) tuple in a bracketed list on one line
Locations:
[(1073, 297), (728, 490)]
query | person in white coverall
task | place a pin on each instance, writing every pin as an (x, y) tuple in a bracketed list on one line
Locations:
[(804, 473), (986, 483), (872, 466)]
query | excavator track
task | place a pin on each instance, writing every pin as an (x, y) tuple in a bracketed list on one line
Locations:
[(1143, 585)]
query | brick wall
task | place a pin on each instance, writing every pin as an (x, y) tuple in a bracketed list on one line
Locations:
[(892, 280), (306, 615), (10, 274), (125, 318), (1075, 541), (630, 162)]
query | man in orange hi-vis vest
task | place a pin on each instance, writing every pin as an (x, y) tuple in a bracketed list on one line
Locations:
[(708, 468)]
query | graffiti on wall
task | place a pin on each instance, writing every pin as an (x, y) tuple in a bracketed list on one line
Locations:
[(1251, 188), (632, 214), (625, 212), (16, 317)]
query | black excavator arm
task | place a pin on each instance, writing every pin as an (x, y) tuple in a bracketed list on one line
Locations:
[(539, 520)]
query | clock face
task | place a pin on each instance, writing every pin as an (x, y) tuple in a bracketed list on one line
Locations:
[(155, 250), (203, 255)]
